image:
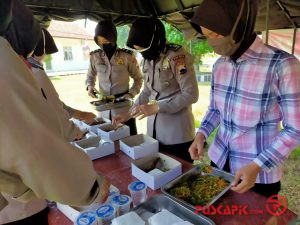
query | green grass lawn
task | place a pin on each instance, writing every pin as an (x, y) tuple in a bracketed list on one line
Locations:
[(72, 91)]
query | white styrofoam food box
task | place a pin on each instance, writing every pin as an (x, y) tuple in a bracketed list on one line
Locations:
[(88, 135), (164, 218), (110, 132), (73, 212), (130, 218), (93, 128), (95, 147), (139, 146), (82, 126), (156, 180)]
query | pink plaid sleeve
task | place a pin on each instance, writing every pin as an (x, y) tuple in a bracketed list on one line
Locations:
[(288, 96)]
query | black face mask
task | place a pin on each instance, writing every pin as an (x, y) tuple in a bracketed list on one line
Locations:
[(109, 49), (151, 54)]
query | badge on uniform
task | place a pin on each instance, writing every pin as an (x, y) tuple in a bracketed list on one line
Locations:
[(120, 61), (180, 64), (165, 64)]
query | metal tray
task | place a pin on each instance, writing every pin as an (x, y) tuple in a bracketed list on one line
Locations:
[(112, 105), (194, 171), (159, 202)]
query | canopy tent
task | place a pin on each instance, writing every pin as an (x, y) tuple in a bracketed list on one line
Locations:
[(273, 14), (176, 12)]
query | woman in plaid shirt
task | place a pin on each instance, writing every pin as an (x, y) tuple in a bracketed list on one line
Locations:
[(255, 91)]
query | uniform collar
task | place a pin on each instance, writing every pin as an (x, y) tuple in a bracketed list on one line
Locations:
[(34, 63)]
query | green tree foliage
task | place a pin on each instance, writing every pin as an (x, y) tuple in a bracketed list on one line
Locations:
[(197, 48), (123, 32)]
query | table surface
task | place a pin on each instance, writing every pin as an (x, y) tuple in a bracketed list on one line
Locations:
[(118, 168)]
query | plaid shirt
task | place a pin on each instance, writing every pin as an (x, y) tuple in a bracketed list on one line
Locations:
[(249, 100)]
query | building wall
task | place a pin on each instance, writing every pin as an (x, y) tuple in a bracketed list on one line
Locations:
[(77, 60)]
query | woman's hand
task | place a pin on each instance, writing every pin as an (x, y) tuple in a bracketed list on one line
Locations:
[(143, 111), (92, 92), (249, 174), (196, 150), (121, 118)]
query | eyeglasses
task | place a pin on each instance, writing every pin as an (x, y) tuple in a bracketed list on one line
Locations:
[(145, 49)]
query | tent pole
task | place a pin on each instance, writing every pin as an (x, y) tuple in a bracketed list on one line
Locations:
[(294, 40), (292, 22), (267, 21)]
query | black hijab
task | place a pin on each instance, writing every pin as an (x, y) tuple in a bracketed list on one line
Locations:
[(5, 15), (24, 31), (211, 12), (107, 29), (46, 44), (144, 31)]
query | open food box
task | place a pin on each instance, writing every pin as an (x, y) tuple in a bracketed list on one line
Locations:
[(156, 170), (90, 127), (95, 147), (112, 132), (139, 146), (202, 185)]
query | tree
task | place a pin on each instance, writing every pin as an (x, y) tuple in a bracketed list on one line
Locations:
[(123, 32), (197, 48)]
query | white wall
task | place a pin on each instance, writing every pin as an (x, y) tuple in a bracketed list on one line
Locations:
[(79, 62)]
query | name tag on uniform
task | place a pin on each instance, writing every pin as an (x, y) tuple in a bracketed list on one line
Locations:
[(180, 64)]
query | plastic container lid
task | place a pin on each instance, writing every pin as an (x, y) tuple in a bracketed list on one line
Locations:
[(121, 200), (113, 192), (137, 186), (105, 211), (86, 218)]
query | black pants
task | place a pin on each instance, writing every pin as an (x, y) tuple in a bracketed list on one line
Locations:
[(41, 218), (132, 125), (179, 150), (263, 189)]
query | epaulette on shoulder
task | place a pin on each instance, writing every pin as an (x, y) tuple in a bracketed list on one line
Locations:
[(34, 64), (174, 47), (126, 50), (95, 51)]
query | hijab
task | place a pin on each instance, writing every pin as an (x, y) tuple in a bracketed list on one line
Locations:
[(228, 11), (148, 33), (24, 31)]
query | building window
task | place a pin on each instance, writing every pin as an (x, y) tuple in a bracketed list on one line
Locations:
[(68, 55), (207, 78)]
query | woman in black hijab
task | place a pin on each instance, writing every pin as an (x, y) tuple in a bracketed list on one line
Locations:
[(170, 88), (228, 12), (113, 67), (24, 31)]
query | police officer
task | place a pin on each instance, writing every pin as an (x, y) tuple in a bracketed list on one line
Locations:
[(113, 67), (170, 88)]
